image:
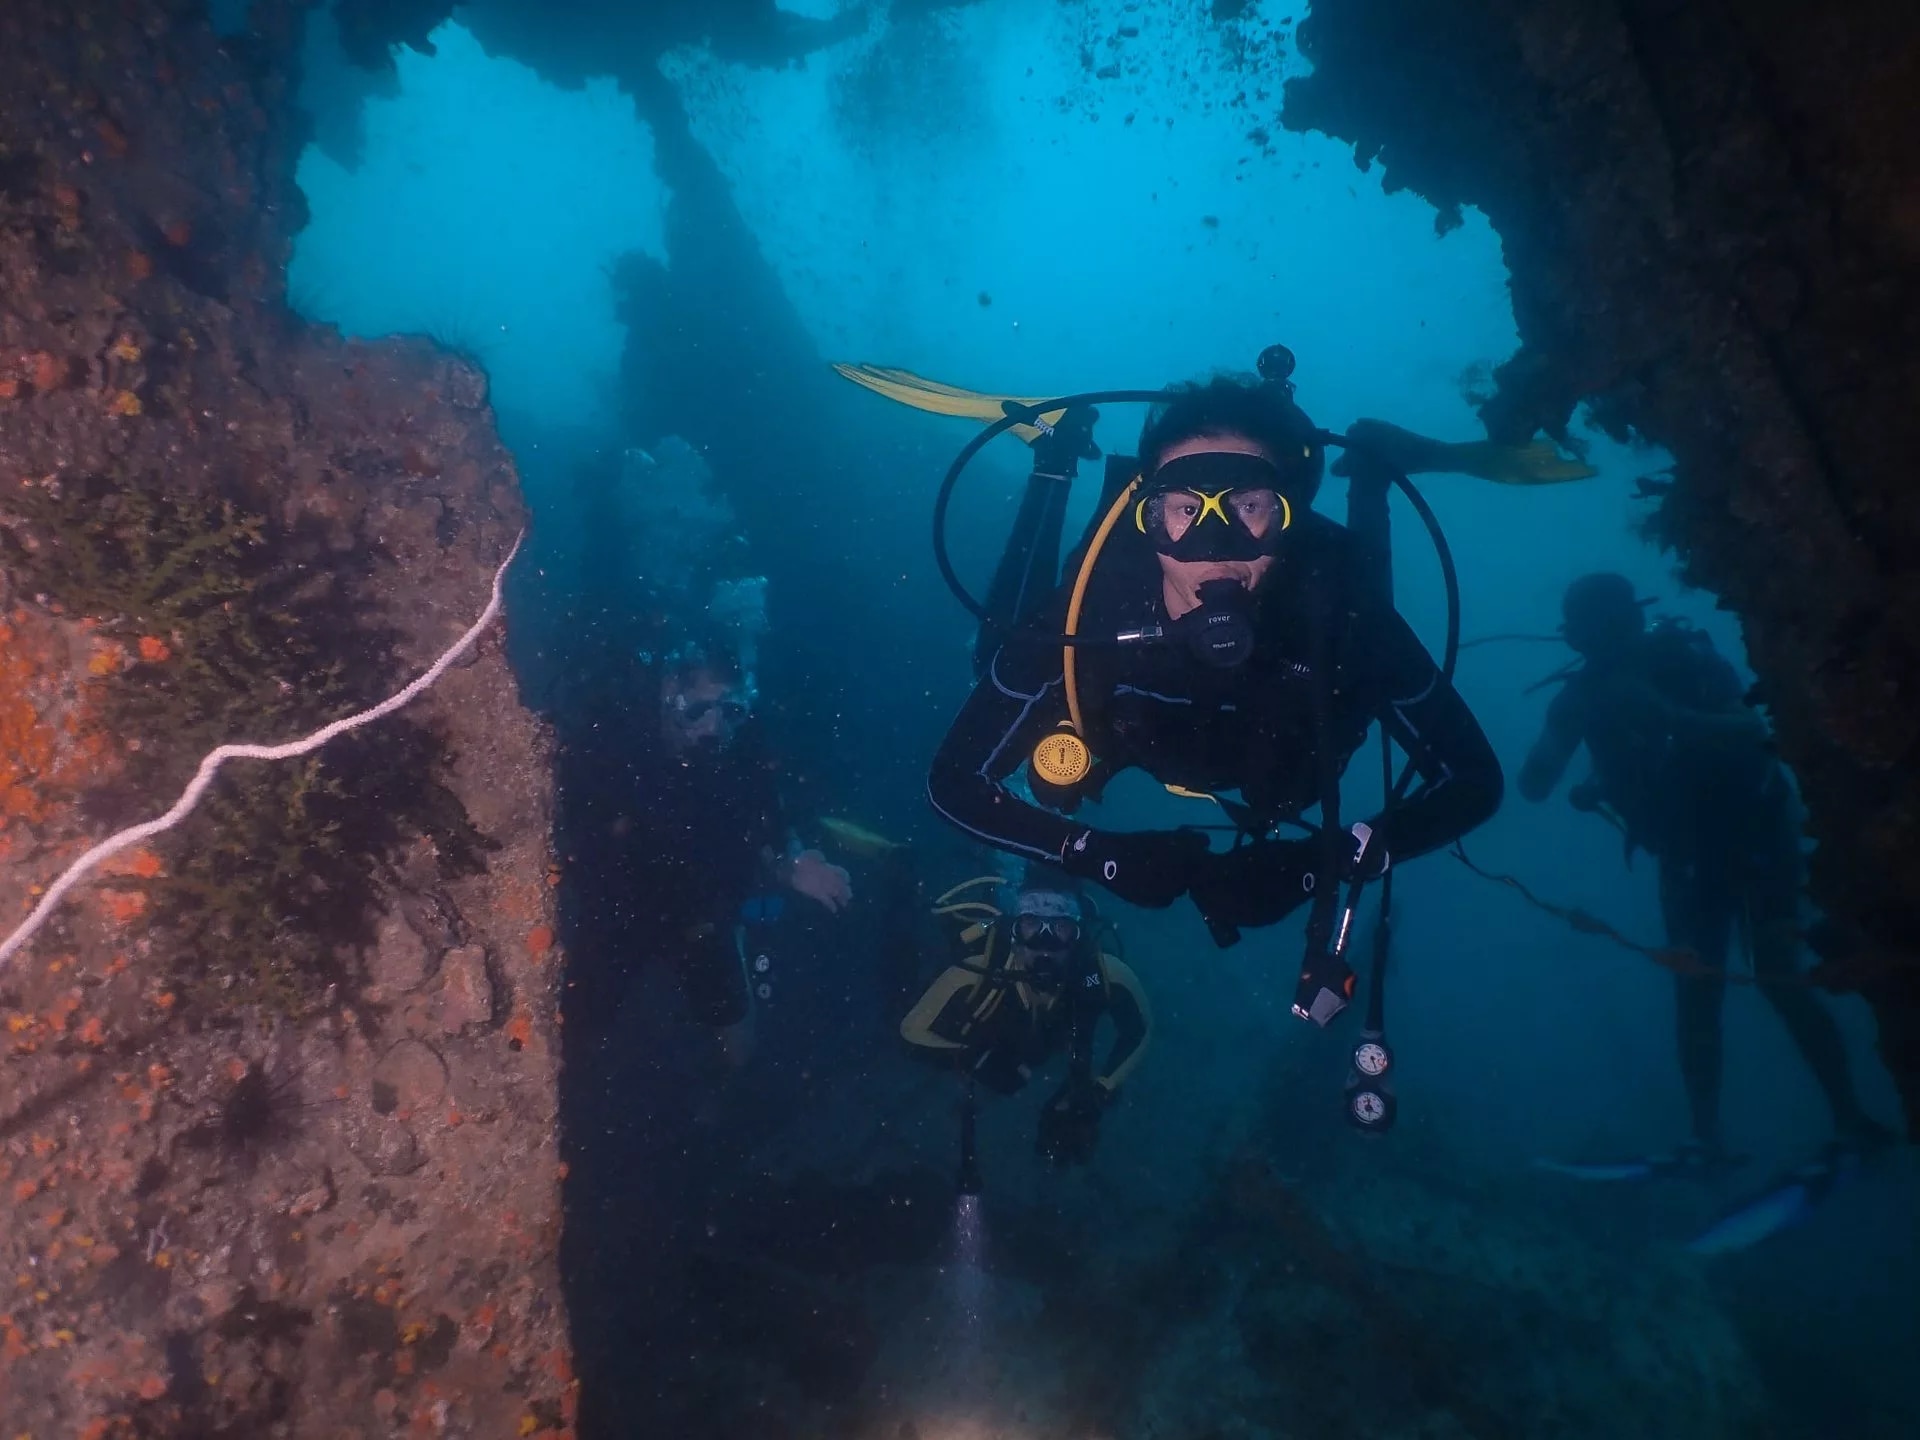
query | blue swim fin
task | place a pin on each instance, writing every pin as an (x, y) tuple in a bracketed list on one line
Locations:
[(1690, 1161), (1787, 1200)]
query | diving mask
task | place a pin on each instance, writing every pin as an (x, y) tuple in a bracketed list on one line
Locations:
[(1045, 932), (732, 709), (1214, 505), (1046, 920), (708, 714)]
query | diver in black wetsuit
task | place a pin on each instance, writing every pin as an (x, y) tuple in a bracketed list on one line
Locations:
[(692, 826), (1282, 657), (1688, 772)]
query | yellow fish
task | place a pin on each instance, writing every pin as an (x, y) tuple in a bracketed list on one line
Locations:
[(857, 839)]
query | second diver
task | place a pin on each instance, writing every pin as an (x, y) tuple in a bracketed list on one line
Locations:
[(1044, 976)]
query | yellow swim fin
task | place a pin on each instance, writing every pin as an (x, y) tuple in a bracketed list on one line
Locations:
[(930, 395), (1537, 463)]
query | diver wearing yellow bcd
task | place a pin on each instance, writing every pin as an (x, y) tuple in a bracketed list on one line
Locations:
[(1042, 978)]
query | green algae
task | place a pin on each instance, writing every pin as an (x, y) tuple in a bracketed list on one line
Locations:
[(240, 627)]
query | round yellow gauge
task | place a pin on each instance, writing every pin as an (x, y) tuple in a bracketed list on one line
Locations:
[(1062, 758)]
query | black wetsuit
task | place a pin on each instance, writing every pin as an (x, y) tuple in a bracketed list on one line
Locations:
[(1714, 806), (663, 851), (1251, 729)]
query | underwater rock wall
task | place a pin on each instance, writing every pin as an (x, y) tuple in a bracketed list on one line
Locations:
[(1708, 210), (277, 1093)]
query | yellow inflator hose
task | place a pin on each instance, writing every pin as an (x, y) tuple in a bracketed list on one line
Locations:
[(1067, 666)]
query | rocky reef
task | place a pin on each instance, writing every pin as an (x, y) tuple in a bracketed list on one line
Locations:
[(1708, 212), (277, 1089)]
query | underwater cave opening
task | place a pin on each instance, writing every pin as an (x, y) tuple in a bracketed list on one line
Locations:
[(1106, 196)]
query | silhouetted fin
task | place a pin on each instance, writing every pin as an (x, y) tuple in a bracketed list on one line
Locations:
[(1787, 1200), (1690, 1162)]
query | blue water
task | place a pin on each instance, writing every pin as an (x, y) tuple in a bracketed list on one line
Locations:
[(957, 193)]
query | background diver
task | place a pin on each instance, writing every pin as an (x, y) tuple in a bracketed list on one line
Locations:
[(1033, 985), (1278, 648), (687, 825), (1688, 772)]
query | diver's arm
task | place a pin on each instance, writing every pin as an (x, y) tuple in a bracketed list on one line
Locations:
[(1019, 700), (1554, 750), (917, 1028), (1460, 775), (1132, 1023)]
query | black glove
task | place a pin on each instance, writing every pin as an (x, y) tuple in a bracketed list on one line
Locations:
[(1070, 441), (1150, 868), (1254, 885), (1070, 1122), (1263, 883)]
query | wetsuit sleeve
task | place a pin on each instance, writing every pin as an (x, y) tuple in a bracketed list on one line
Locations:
[(1551, 754), (1018, 700), (1132, 1022), (1460, 780)]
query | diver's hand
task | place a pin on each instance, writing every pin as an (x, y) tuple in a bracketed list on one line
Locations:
[(1149, 868), (1070, 441), (1263, 883), (1070, 1122), (1253, 885), (813, 876)]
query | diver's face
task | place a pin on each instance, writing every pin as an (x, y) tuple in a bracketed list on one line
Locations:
[(1041, 945), (702, 709), (1181, 579)]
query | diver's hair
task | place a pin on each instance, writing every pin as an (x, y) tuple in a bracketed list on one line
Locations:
[(1238, 405), (1039, 876)]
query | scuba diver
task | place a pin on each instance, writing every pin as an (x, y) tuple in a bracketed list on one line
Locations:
[(1043, 975), (1688, 772), (698, 844), (670, 817), (1221, 636)]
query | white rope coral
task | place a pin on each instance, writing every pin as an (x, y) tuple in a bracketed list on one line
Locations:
[(203, 777)]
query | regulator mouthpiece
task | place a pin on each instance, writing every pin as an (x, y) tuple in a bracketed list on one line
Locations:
[(1220, 631)]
